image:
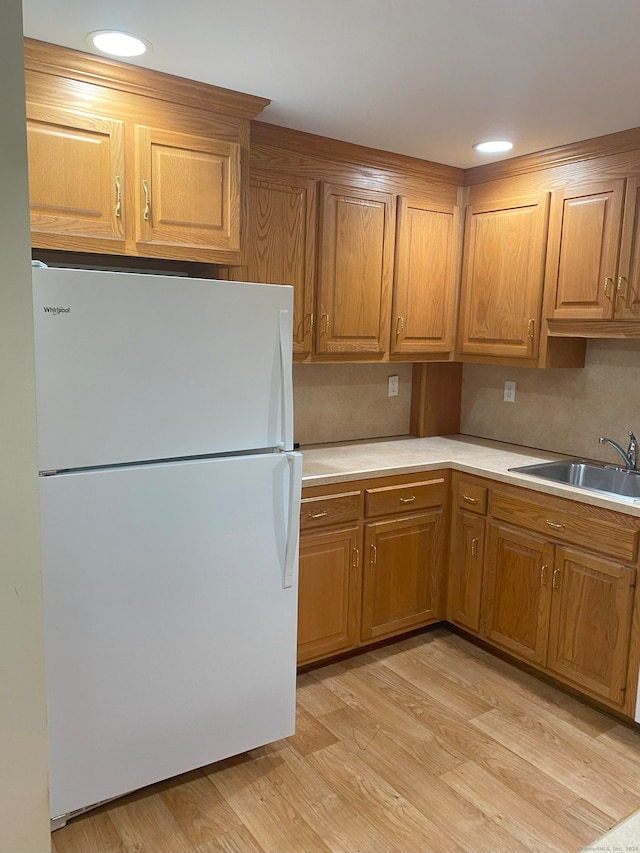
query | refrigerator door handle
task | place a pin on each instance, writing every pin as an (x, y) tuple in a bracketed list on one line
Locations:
[(293, 521), (286, 348)]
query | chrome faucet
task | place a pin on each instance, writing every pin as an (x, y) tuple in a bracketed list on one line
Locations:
[(631, 456)]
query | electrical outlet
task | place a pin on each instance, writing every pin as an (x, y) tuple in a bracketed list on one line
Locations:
[(509, 392), (393, 386)]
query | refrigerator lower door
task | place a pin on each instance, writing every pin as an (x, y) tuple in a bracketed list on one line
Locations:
[(170, 631)]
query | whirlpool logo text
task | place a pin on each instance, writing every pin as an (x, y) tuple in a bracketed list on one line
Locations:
[(58, 309)]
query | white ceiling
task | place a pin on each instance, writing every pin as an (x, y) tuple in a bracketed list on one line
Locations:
[(426, 78)]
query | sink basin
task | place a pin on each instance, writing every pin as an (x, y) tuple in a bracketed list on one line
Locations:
[(587, 475)]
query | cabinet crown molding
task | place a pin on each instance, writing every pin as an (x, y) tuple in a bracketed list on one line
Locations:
[(63, 62)]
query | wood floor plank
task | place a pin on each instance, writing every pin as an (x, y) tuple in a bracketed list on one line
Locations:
[(461, 740), (457, 664), (556, 729), (91, 832), (400, 825), (510, 810), (382, 710), (456, 817), (237, 840), (584, 779), (509, 686), (313, 696), (198, 808), (455, 697), (338, 821), (146, 825), (249, 788), (585, 821), (310, 734)]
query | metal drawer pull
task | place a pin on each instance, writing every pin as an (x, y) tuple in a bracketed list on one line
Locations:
[(118, 196), (619, 294), (408, 500), (474, 547), (543, 575), (399, 326), (556, 574), (608, 280), (554, 525), (530, 327), (318, 514), (355, 562), (374, 555), (325, 319), (469, 499), (147, 200)]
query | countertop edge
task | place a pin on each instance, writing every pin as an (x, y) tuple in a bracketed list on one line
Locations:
[(364, 460)]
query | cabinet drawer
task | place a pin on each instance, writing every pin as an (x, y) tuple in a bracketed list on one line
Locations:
[(471, 497), (580, 527), (406, 497), (329, 509)]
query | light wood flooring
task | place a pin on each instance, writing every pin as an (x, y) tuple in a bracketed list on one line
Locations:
[(427, 745)]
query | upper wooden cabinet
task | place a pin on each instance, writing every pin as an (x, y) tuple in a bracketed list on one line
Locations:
[(584, 237), (425, 280), (127, 161), (593, 272), (186, 193), (502, 277), (354, 277), (76, 179), (280, 244)]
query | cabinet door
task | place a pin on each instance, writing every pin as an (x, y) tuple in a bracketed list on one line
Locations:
[(354, 270), (503, 268), (328, 593), (76, 180), (187, 194), (584, 236), (465, 570), (280, 244), (401, 574), (628, 284), (425, 277), (517, 592), (590, 623)]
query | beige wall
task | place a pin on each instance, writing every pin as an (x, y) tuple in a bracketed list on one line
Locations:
[(341, 402), (24, 811), (559, 410)]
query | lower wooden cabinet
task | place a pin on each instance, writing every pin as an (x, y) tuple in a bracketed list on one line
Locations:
[(371, 561), (328, 593), (465, 570), (517, 592), (548, 580), (589, 632), (401, 574), (561, 608)]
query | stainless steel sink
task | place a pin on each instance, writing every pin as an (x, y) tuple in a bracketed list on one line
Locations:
[(587, 475)]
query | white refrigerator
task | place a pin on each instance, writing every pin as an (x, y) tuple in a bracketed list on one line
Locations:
[(169, 514)]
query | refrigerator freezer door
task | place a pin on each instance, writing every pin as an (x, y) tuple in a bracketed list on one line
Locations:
[(170, 640), (133, 367)]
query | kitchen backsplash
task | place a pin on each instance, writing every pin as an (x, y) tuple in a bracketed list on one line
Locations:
[(559, 410), (342, 402)]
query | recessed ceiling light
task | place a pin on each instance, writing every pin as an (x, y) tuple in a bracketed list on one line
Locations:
[(118, 43), (493, 146)]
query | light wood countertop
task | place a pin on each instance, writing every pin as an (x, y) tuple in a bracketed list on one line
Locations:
[(339, 463)]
